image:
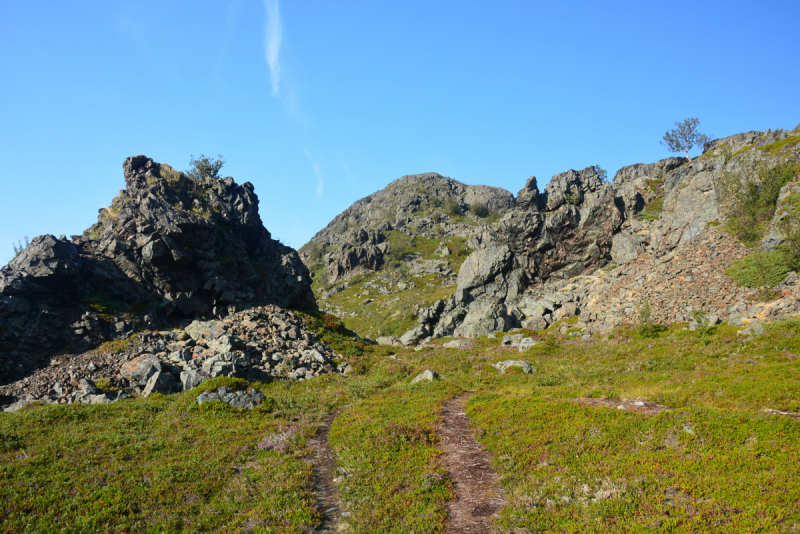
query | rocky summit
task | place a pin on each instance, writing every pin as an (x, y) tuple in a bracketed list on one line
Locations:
[(429, 257), (169, 249)]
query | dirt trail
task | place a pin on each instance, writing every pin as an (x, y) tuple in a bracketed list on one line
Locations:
[(324, 471), (478, 494)]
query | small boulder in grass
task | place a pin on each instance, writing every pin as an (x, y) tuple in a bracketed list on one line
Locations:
[(425, 376), (503, 366)]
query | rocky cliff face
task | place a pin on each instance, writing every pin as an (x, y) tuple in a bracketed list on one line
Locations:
[(522, 264), (399, 249), (167, 249), (543, 239)]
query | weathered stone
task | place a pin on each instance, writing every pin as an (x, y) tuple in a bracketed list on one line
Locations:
[(459, 344), (389, 340), (503, 366), (526, 343), (139, 370), (180, 247), (425, 376), (160, 383), (209, 330), (412, 336), (191, 378), (87, 387)]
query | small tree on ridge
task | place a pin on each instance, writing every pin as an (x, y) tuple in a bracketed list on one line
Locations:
[(204, 167), (685, 137)]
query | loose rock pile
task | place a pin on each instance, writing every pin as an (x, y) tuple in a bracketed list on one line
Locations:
[(259, 344)]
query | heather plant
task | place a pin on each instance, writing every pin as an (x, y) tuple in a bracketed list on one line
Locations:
[(702, 325)]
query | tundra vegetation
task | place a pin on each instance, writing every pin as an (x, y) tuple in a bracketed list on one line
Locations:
[(715, 461)]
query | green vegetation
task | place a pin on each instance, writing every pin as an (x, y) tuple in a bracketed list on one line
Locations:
[(778, 146), (749, 198), (716, 462), (572, 198), (479, 209), (399, 245), (204, 168), (652, 211), (451, 206), (761, 269), (685, 137), (19, 247), (570, 467), (392, 310), (387, 446)]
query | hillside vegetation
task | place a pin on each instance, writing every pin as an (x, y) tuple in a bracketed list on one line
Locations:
[(715, 461)]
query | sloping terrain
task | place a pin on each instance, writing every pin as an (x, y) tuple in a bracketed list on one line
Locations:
[(391, 253), (715, 460)]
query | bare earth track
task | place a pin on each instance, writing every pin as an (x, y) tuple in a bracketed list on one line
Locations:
[(324, 470), (478, 495)]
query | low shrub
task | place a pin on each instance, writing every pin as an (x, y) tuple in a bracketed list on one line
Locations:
[(451, 206), (749, 198), (480, 209), (762, 269)]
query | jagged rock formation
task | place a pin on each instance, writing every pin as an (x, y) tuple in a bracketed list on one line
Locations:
[(417, 204), (167, 249), (579, 224)]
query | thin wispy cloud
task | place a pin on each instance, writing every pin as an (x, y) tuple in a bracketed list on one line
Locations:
[(320, 180), (272, 42)]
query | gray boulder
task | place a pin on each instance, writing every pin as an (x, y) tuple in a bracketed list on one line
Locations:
[(389, 340), (412, 336), (425, 376), (503, 366), (209, 330), (139, 370), (526, 343), (191, 378), (180, 247), (160, 383)]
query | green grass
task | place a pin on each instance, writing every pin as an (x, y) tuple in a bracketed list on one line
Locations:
[(776, 147), (163, 465), (572, 468), (386, 445), (395, 314), (150, 466), (652, 211)]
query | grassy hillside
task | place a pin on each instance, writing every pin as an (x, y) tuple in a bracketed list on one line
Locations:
[(385, 303), (715, 461)]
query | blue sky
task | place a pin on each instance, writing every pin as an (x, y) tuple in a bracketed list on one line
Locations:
[(319, 104)]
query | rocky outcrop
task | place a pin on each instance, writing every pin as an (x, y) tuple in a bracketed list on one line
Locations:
[(788, 204), (415, 205), (363, 251), (167, 249), (580, 223)]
